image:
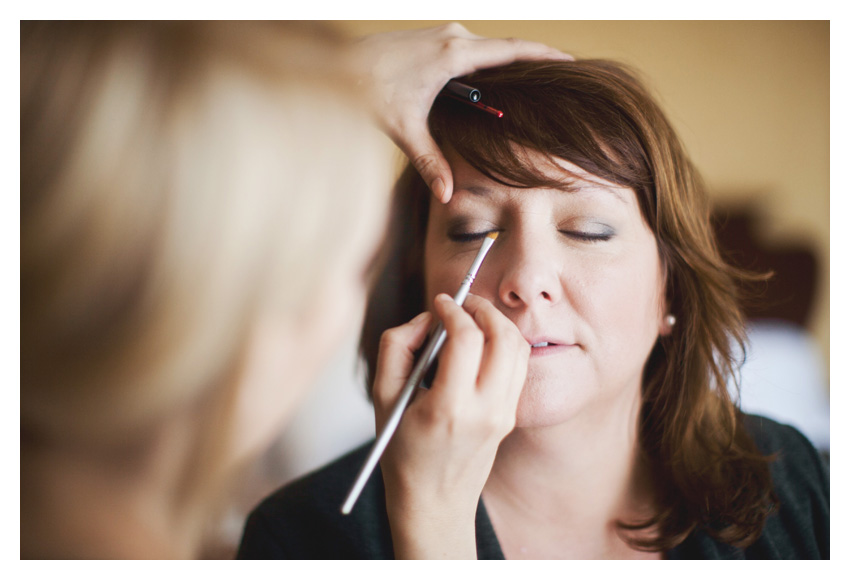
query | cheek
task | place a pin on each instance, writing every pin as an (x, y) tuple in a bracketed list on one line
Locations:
[(438, 279), (284, 361), (266, 398), (626, 301), (441, 274)]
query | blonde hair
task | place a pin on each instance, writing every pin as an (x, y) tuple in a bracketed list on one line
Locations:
[(178, 181)]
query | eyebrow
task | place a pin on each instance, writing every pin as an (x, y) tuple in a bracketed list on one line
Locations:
[(477, 190), (594, 186), (585, 186)]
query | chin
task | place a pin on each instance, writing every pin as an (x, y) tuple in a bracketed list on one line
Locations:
[(546, 405)]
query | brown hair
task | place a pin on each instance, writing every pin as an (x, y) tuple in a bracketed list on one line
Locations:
[(597, 115)]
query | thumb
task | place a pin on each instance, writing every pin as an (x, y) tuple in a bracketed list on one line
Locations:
[(431, 165)]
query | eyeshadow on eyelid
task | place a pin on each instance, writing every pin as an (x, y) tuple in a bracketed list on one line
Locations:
[(466, 222), (598, 228)]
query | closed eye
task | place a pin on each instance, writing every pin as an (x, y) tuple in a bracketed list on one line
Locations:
[(588, 236), (466, 237)]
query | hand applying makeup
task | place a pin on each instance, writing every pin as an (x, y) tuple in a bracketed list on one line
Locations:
[(436, 466), (407, 69)]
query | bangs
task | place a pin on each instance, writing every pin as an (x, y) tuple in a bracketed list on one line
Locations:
[(576, 111)]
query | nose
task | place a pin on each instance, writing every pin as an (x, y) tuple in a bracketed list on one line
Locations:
[(530, 275)]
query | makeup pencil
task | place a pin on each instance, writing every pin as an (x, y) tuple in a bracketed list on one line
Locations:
[(432, 349), (461, 91), (469, 95)]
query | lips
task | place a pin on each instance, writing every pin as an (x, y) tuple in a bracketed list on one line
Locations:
[(544, 341), (548, 345)]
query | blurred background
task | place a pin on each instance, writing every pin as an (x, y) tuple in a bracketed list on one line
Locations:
[(750, 100)]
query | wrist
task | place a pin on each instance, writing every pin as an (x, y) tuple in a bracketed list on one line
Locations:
[(435, 534)]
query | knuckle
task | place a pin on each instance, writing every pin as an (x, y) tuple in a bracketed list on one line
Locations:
[(454, 28), (381, 399), (495, 426), (425, 163), (427, 415), (453, 50), (392, 340), (388, 338), (439, 415)]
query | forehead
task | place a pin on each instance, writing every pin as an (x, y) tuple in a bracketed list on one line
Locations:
[(472, 186)]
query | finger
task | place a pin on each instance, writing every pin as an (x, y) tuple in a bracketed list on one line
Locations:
[(489, 52), (430, 162), (396, 358), (505, 357), (519, 376), (522, 353), (461, 355), (511, 48)]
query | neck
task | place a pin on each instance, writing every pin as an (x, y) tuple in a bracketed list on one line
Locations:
[(78, 502), (580, 477)]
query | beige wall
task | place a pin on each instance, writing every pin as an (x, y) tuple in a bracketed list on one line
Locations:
[(749, 99)]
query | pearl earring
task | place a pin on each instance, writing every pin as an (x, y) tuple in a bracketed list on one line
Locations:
[(670, 320)]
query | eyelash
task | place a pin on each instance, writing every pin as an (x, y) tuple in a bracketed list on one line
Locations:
[(467, 237), (586, 237)]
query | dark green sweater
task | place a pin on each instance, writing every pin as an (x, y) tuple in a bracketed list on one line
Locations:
[(302, 520)]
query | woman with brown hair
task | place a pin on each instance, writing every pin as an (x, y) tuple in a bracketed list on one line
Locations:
[(578, 409)]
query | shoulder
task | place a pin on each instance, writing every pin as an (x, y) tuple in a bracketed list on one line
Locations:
[(796, 464), (302, 520), (800, 526)]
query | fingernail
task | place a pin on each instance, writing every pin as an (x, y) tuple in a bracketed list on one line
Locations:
[(444, 298), (439, 189)]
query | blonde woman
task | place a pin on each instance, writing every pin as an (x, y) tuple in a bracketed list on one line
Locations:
[(200, 205)]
